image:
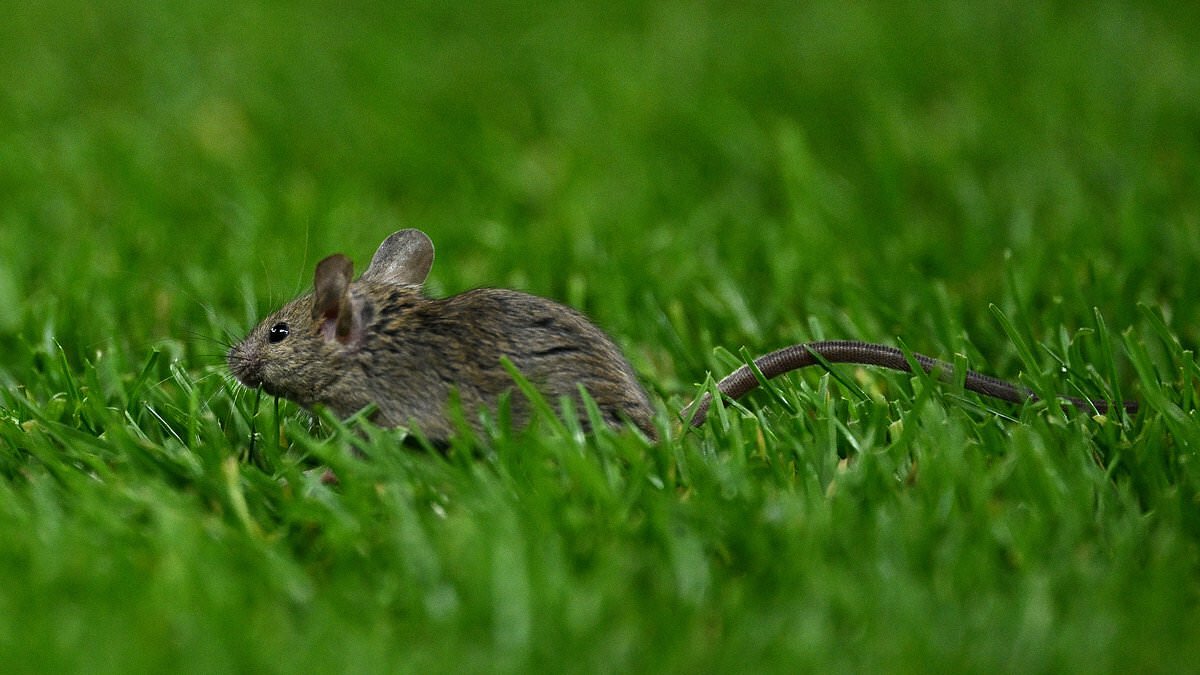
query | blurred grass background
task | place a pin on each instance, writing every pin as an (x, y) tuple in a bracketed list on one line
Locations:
[(694, 175)]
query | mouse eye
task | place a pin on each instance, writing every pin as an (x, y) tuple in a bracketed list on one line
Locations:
[(278, 332)]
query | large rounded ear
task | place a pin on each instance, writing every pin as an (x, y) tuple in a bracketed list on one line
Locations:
[(403, 258), (331, 295)]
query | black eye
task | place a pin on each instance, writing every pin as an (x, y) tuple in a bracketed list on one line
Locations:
[(278, 332)]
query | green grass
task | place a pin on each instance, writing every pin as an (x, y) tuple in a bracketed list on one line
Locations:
[(1013, 188)]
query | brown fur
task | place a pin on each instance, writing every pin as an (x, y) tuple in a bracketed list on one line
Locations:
[(379, 340)]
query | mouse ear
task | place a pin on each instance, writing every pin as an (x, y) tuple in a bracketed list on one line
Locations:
[(403, 258), (331, 297)]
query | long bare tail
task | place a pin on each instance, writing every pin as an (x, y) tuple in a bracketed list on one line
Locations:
[(741, 381)]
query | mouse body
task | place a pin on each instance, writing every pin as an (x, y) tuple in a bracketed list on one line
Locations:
[(380, 340)]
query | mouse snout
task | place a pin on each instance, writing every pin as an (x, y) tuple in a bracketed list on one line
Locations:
[(246, 365)]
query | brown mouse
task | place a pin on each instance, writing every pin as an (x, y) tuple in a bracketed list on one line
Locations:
[(380, 340)]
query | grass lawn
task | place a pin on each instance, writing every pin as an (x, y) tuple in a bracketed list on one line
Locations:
[(1013, 187)]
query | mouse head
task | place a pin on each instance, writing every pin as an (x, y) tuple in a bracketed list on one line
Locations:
[(302, 349)]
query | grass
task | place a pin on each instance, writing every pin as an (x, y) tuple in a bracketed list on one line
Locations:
[(1013, 188)]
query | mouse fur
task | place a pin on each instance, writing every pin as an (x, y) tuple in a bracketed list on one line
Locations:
[(380, 340)]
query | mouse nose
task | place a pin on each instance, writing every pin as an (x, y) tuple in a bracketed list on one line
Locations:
[(245, 365)]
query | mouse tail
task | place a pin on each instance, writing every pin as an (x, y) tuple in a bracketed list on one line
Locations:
[(744, 380)]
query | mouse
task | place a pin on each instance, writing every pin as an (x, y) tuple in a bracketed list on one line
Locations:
[(381, 341)]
